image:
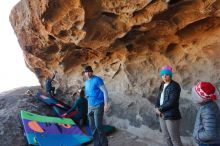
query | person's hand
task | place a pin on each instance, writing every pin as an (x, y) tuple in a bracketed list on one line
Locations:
[(54, 73), (63, 115), (106, 107), (158, 112)]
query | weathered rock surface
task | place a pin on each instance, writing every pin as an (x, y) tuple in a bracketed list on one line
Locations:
[(126, 42)]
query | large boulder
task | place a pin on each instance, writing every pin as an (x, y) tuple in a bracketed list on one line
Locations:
[(126, 42)]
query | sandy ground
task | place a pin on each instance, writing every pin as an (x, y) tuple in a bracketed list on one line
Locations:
[(123, 138)]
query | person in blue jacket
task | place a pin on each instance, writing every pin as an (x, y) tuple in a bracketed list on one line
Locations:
[(207, 126), (48, 86), (97, 96), (81, 106)]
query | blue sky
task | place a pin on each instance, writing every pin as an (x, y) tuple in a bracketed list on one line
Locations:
[(14, 72)]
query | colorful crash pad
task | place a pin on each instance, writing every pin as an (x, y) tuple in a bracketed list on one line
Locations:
[(51, 131), (51, 101)]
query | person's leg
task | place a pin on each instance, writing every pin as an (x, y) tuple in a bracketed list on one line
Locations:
[(76, 118), (98, 115), (165, 132), (80, 119), (48, 93), (92, 126), (85, 119), (52, 91), (173, 127)]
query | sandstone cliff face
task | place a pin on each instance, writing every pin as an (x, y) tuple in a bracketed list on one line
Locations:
[(126, 42)]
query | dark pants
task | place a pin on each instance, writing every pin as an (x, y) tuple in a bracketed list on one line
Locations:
[(79, 119), (50, 92), (95, 116)]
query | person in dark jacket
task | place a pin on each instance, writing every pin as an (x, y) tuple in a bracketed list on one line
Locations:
[(81, 106), (48, 86), (207, 126), (167, 107)]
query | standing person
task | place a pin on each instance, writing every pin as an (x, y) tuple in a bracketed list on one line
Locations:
[(207, 126), (97, 96), (81, 106), (167, 107), (48, 86)]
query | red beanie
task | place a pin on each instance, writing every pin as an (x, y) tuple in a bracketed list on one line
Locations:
[(205, 90)]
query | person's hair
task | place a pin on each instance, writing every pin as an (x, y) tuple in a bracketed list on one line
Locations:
[(82, 93), (88, 69)]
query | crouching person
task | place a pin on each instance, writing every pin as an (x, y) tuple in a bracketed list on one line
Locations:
[(81, 106)]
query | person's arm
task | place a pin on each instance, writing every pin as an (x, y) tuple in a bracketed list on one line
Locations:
[(53, 76), (75, 104), (105, 92), (209, 130)]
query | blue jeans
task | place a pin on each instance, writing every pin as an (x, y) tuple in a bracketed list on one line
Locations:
[(95, 116), (209, 144)]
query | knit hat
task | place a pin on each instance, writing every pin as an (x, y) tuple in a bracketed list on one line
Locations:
[(88, 69), (166, 70), (203, 91)]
